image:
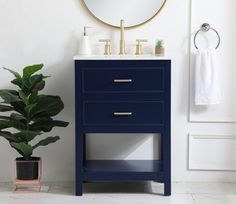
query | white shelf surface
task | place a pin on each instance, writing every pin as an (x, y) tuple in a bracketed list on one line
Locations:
[(119, 57)]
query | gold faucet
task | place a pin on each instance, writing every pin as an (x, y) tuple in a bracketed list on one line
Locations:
[(122, 40)]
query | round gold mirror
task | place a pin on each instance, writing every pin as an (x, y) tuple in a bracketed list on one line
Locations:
[(134, 12)]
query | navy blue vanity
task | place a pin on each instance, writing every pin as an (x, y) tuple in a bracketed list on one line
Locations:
[(123, 96)]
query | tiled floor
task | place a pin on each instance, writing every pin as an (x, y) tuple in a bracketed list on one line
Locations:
[(122, 193)]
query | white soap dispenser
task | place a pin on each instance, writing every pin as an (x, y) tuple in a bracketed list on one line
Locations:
[(84, 44)]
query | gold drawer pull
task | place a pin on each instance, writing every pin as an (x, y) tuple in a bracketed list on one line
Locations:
[(122, 113), (122, 80)]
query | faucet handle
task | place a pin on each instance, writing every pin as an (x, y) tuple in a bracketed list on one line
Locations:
[(139, 48), (107, 49)]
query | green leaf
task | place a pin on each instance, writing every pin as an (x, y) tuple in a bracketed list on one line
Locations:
[(4, 124), (18, 80), (23, 97), (4, 108), (39, 86), (46, 141), (24, 149), (33, 98), (16, 116), (27, 135), (14, 92), (28, 108), (12, 123), (41, 118), (19, 107), (8, 136), (34, 80), (4, 117), (48, 106), (25, 90), (26, 84), (8, 96), (29, 70), (47, 125), (16, 74)]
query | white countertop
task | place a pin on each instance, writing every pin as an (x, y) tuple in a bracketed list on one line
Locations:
[(119, 57)]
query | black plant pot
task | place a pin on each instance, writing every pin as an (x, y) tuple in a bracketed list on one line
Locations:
[(27, 169)]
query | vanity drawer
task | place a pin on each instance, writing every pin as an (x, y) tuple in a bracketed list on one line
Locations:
[(123, 113), (123, 80)]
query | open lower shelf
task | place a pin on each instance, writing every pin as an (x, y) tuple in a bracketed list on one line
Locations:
[(123, 166), (129, 170)]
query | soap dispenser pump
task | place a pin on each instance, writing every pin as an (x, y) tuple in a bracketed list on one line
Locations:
[(84, 44)]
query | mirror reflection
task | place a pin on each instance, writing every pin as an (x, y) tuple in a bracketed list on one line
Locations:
[(134, 12)]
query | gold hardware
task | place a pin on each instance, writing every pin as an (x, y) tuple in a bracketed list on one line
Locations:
[(128, 27), (122, 38), (122, 80), (122, 113), (107, 50), (139, 47)]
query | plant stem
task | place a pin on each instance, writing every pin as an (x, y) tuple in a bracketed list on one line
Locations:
[(27, 121)]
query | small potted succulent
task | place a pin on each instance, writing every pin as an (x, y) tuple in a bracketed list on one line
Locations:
[(159, 49), (30, 115)]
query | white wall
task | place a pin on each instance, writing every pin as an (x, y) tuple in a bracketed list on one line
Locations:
[(47, 31)]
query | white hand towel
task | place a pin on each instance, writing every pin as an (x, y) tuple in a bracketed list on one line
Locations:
[(207, 84)]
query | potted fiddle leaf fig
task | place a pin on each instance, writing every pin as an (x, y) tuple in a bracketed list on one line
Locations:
[(27, 114)]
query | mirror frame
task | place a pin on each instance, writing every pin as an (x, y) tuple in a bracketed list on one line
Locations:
[(128, 27)]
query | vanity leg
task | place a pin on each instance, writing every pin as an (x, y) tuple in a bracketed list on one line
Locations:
[(84, 152), (84, 149), (167, 188), (79, 188), (166, 145), (79, 163)]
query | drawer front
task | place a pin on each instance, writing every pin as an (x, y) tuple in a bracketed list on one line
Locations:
[(123, 113), (123, 80)]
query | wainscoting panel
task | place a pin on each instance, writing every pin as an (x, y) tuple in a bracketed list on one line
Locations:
[(212, 152)]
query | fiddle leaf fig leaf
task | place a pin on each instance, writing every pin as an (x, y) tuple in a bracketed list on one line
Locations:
[(5, 117), (29, 70), (33, 97), (18, 80), (36, 81), (16, 116), (27, 135), (19, 107), (29, 108), (39, 86), (4, 108), (48, 106), (23, 97), (24, 149), (47, 125), (12, 123), (16, 74), (4, 124), (8, 136), (8, 96), (46, 141)]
